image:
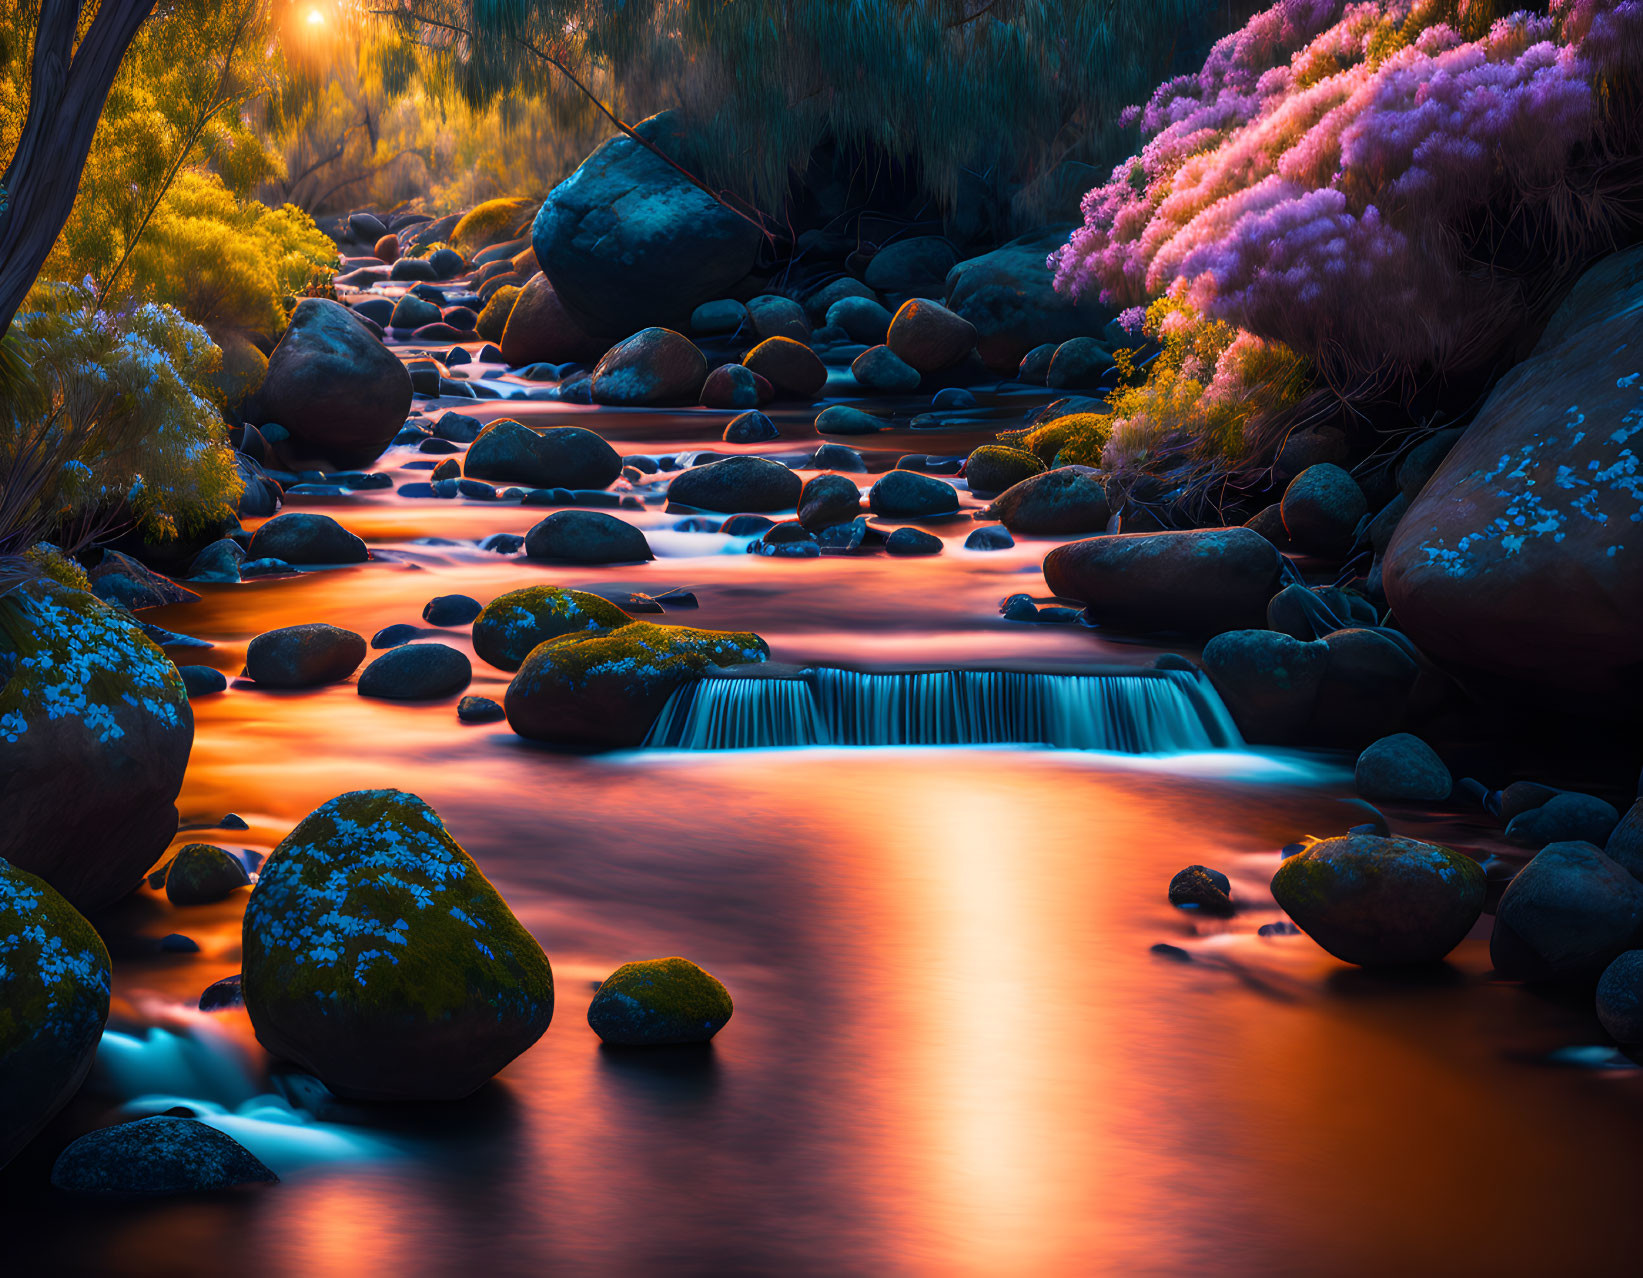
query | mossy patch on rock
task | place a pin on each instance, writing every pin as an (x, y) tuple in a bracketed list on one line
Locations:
[(657, 1002), (202, 873), (378, 956), (512, 624)]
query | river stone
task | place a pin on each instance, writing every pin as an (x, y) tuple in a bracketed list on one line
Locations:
[(202, 873), (827, 500), (416, 672), (1565, 817), (1078, 364), (732, 386), (1068, 499), (155, 1156), (1625, 843), (654, 366), (752, 427), (512, 624), (1402, 767), (1521, 559), (906, 494), (120, 579), (657, 1002), (878, 368), (1321, 509), (1568, 913), (724, 315), (303, 537), (1268, 680), (1200, 888), (775, 316), (472, 709), (587, 537), (753, 484), (916, 265), (220, 561), (450, 610), (539, 328), (411, 311), (991, 537), (95, 730), (54, 984), (627, 240), (862, 319), (303, 656), (1200, 582), (333, 385), (1366, 687), (202, 681), (379, 958), (1381, 901), (1009, 295), (604, 689), (841, 419), (912, 542), (792, 368), (928, 337), (559, 457), (1620, 998), (992, 468), (817, 304)]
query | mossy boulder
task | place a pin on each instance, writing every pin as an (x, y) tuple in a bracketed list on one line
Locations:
[(994, 467), (604, 689), (379, 958), (95, 731), (202, 874), (54, 983), (511, 625), (658, 1002), (491, 222), (1381, 901), (164, 1154), (493, 318)]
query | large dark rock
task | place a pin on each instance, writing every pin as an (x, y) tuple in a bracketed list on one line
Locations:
[(1010, 298), (1068, 499), (1366, 688), (604, 690), (559, 457), (202, 873), (334, 386), (658, 1002), (95, 730), (304, 656), (627, 241), (1620, 998), (120, 579), (906, 494), (1625, 843), (1521, 559), (878, 368), (540, 329), (1381, 902), (753, 484), (654, 366), (1568, 913), (792, 368), (1200, 582), (1402, 768), (1564, 817), (1321, 508), (1268, 680), (587, 537), (915, 265), (416, 672), (930, 338), (827, 500), (54, 983), (379, 958), (992, 468), (303, 537), (512, 624), (154, 1156)]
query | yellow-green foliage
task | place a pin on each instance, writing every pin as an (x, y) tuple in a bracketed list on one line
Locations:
[(1076, 439), (50, 561), (491, 223), (113, 415), (227, 263)]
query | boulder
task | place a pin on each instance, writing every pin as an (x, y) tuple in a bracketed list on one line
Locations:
[(1518, 562), (494, 315), (912, 542), (366, 227), (774, 316), (587, 537), (1304, 448), (916, 265), (1321, 509), (754, 484), (1009, 296), (906, 494), (1381, 901), (992, 537), (1200, 888), (751, 427), (156, 1156), (1568, 913), (416, 672), (513, 623), (202, 873), (732, 386), (95, 731), (411, 311), (1268, 680), (725, 315), (378, 957), (930, 338), (862, 319), (1625, 843), (219, 561), (1366, 688), (479, 710), (1035, 364), (120, 579), (1068, 499), (1312, 613), (303, 656), (658, 1002), (54, 984), (490, 223), (654, 366), (993, 467), (1565, 817), (792, 368), (539, 328), (334, 386), (628, 241), (603, 690), (450, 610), (558, 457), (838, 457), (878, 368), (1620, 998), (841, 419), (303, 537), (1078, 364), (1402, 768), (827, 500), (819, 303), (1200, 582), (202, 681)]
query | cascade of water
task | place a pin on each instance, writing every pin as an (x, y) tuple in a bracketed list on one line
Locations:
[(1150, 713)]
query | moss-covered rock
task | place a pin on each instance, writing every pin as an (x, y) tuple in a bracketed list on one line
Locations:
[(994, 467), (202, 873), (1381, 902), (492, 222), (54, 983), (658, 1002), (493, 319), (604, 689), (95, 731), (378, 957), (159, 1155), (511, 625)]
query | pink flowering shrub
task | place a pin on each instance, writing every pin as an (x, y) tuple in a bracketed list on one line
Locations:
[(1386, 185)]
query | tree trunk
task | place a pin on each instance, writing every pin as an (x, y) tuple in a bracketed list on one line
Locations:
[(66, 100)]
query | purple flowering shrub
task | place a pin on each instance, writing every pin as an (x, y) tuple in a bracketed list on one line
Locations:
[(1389, 187)]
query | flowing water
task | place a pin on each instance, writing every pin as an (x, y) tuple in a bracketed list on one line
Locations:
[(956, 1048)]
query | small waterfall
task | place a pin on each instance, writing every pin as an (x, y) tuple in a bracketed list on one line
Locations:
[(1156, 712)]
